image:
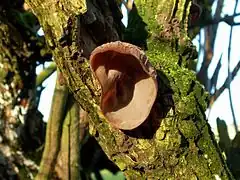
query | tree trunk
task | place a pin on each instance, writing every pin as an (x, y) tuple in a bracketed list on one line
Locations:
[(22, 129), (174, 143), (62, 148)]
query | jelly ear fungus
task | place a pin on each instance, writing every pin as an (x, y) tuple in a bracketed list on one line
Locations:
[(128, 83)]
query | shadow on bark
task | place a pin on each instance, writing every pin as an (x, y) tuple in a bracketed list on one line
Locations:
[(93, 159)]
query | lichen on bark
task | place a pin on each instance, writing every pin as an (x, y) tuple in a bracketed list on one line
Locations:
[(175, 141), (21, 127)]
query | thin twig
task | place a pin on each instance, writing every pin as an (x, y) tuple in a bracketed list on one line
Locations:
[(214, 78), (227, 19), (47, 72), (218, 92), (230, 74)]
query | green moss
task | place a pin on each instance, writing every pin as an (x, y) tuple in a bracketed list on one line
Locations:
[(123, 161), (186, 107), (174, 148), (188, 129), (160, 53), (148, 16), (132, 174), (143, 144)]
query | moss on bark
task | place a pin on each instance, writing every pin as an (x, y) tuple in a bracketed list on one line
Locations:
[(176, 141)]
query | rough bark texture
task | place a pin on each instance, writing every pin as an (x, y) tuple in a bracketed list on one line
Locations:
[(21, 127), (176, 141)]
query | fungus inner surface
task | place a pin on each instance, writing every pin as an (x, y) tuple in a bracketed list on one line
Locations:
[(128, 91)]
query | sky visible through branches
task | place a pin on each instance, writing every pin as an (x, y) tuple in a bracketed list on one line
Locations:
[(221, 107)]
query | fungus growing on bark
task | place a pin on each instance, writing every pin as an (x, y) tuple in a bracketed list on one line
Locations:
[(128, 83)]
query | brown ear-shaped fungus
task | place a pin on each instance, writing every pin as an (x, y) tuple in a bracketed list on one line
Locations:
[(128, 83)]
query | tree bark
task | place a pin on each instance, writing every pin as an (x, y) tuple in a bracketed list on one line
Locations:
[(22, 129), (176, 141)]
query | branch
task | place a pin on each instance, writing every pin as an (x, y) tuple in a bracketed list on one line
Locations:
[(45, 74), (53, 134), (227, 19), (224, 86), (214, 78), (68, 158)]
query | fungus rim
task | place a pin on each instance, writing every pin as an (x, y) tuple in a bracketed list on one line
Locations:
[(140, 56)]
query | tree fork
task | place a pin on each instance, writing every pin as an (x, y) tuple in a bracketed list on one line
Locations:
[(177, 144)]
